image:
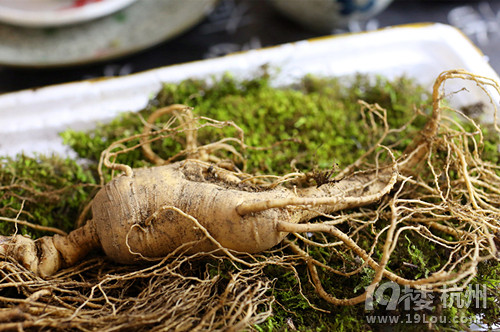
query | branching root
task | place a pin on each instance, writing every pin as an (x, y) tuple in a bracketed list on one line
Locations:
[(439, 193)]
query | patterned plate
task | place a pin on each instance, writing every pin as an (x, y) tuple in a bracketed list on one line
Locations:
[(141, 25), (43, 13)]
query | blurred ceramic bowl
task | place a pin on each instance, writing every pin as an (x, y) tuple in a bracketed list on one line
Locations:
[(326, 15), (47, 13)]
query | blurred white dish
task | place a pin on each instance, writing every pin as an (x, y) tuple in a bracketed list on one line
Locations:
[(45, 13), (141, 25)]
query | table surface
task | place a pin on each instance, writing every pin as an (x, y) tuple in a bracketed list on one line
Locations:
[(237, 25)]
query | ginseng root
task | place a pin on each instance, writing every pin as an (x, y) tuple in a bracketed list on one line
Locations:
[(153, 211), (198, 203)]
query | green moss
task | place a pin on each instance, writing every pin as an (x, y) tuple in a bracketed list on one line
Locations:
[(322, 113), (293, 309), (52, 191)]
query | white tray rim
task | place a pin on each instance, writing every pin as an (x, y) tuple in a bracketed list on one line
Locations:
[(33, 118)]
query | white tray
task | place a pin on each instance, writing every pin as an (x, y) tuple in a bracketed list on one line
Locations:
[(32, 119)]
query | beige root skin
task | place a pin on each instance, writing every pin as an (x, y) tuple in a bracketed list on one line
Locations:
[(40, 257), (349, 193), (152, 231), (47, 255)]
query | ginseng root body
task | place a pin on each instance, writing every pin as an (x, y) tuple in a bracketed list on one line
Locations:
[(156, 210), (159, 210)]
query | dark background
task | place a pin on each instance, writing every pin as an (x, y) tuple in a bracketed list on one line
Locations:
[(237, 25)]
